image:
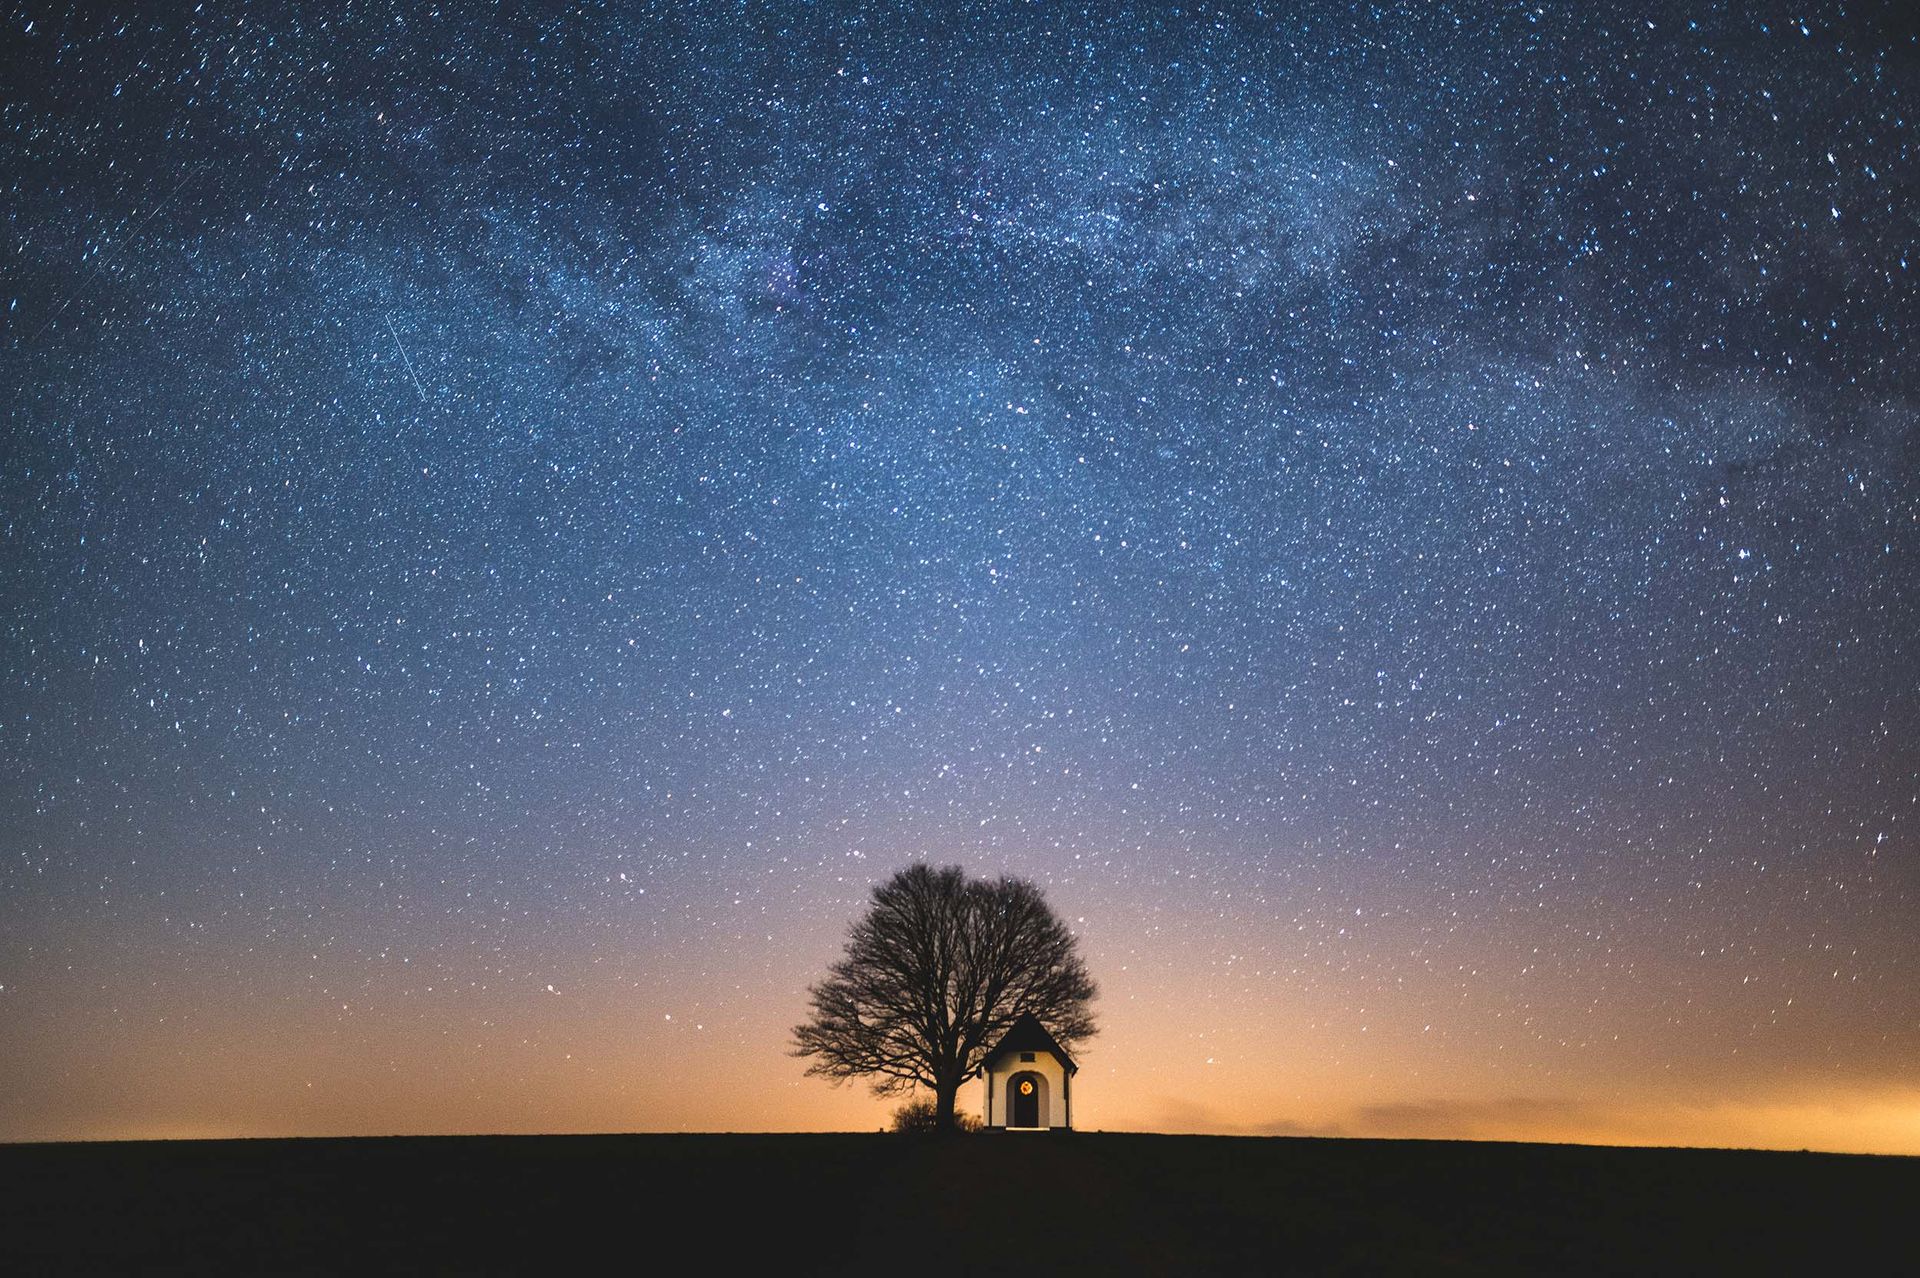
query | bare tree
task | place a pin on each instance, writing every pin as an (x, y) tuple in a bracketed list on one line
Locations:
[(934, 973)]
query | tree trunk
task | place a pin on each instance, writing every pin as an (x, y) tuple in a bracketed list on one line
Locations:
[(943, 1099)]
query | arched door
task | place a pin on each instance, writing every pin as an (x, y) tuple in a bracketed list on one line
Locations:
[(1023, 1096)]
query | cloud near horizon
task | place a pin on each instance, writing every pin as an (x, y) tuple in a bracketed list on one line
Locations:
[(1880, 1122)]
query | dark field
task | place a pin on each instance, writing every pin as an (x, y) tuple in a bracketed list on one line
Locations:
[(1083, 1202)]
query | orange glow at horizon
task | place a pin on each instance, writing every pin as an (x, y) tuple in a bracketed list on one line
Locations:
[(1197, 1036)]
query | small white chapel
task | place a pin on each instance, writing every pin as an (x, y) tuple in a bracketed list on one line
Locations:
[(1029, 1080)]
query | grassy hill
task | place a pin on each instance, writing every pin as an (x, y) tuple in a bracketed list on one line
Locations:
[(1085, 1202)]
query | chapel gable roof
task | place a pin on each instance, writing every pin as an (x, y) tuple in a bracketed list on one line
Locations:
[(1027, 1034)]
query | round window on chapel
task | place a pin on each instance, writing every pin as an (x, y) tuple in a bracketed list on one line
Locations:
[(1026, 1087)]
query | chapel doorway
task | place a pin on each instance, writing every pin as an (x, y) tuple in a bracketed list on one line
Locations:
[(1024, 1091)]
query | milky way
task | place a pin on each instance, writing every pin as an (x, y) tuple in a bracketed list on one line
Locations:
[(1403, 520)]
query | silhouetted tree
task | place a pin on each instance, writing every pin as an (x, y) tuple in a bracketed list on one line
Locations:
[(934, 973)]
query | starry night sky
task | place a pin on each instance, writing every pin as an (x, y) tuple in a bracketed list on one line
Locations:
[(1402, 519)]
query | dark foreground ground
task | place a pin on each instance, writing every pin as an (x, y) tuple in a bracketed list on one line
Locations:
[(1077, 1203)]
